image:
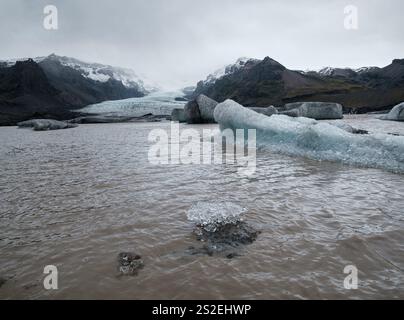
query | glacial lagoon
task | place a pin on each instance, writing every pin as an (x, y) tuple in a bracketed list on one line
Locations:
[(77, 198)]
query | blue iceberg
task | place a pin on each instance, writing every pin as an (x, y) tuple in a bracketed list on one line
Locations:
[(314, 139)]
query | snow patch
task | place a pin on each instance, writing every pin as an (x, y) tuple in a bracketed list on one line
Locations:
[(227, 70)]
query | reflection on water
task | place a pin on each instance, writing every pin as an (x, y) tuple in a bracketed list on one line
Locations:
[(77, 198)]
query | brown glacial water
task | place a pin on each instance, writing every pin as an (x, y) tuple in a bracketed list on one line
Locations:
[(77, 198)]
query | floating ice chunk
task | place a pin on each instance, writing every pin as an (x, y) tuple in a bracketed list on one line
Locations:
[(211, 215), (313, 139), (396, 114), (45, 124)]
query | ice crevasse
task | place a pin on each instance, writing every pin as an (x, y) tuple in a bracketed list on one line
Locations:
[(314, 139)]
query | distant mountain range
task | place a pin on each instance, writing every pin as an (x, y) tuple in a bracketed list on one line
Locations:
[(49, 87), (259, 83), (52, 86)]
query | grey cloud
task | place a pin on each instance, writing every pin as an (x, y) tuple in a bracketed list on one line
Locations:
[(178, 42)]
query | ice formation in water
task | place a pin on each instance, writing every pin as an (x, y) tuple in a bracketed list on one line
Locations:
[(211, 215), (158, 103), (314, 139)]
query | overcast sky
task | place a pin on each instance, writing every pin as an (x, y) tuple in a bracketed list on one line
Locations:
[(178, 42)]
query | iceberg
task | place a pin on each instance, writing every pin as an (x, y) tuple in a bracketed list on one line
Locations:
[(211, 215), (314, 139), (45, 124), (396, 114)]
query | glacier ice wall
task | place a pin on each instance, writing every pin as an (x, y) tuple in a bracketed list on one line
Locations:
[(157, 103), (313, 139)]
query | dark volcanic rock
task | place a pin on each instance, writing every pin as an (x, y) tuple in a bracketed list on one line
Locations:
[(100, 119), (227, 239), (180, 99), (26, 93), (200, 110), (129, 263), (178, 115), (191, 112)]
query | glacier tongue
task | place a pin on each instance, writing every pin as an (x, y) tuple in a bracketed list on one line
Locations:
[(313, 139), (157, 103)]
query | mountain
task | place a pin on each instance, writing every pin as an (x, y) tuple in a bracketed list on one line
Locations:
[(267, 82), (229, 69), (52, 86)]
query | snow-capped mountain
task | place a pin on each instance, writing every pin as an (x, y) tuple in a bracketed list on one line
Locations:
[(97, 72), (52, 86), (270, 83), (366, 69), (229, 69), (344, 72), (11, 62)]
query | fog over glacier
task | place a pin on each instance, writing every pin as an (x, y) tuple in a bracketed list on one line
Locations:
[(179, 42)]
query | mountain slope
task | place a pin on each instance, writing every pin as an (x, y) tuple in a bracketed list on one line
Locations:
[(26, 92), (52, 86), (79, 90), (266, 82)]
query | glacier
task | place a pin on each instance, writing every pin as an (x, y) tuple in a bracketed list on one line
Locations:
[(314, 139), (157, 103)]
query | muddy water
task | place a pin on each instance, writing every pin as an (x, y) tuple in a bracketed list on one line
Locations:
[(77, 198)]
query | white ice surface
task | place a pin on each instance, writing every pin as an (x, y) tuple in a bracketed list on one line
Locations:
[(157, 103), (210, 215)]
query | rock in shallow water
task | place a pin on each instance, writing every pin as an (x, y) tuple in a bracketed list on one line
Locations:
[(129, 263), (227, 239), (200, 110), (178, 115), (45, 124), (219, 226), (191, 113)]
